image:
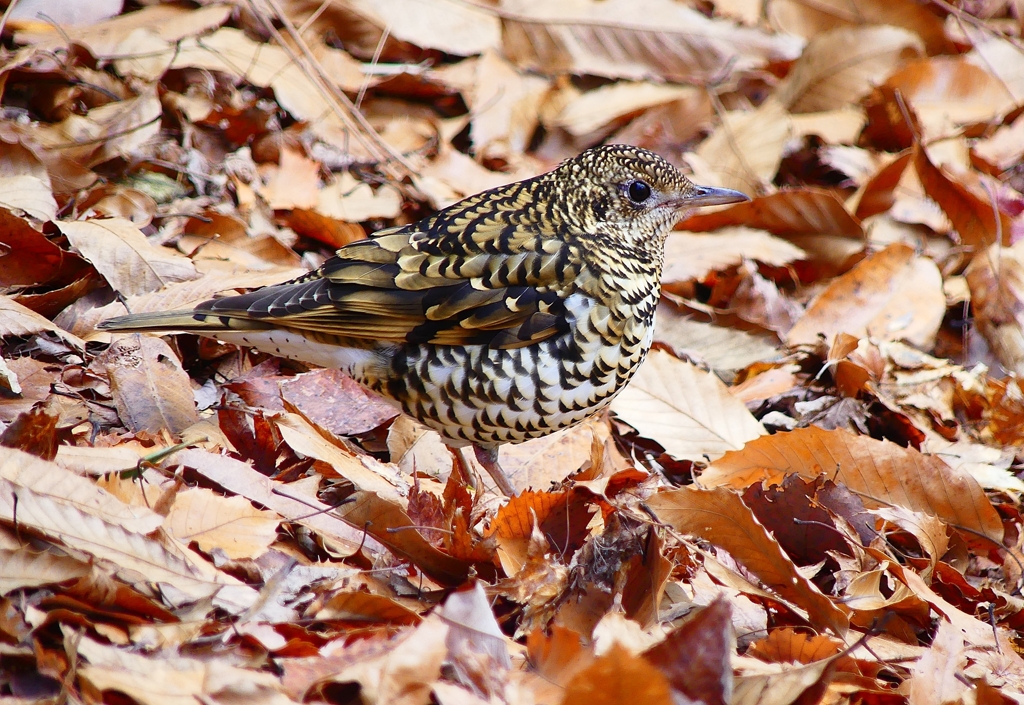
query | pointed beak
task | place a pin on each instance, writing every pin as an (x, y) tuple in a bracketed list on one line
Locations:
[(712, 196)]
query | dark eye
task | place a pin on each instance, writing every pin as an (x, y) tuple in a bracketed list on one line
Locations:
[(638, 192)]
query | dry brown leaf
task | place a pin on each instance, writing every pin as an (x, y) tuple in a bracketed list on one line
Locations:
[(720, 517), (401, 671), (880, 472), (892, 295), (390, 525), (836, 127), (786, 688), (688, 411), (948, 91), (977, 221), (121, 253), (812, 19), (996, 278), (1000, 57), (540, 462), (618, 677), (843, 65), (265, 65), (365, 607), (660, 39), (354, 201), (695, 656), (759, 301), (813, 219), (150, 389)]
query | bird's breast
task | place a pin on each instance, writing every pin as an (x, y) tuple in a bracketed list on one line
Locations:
[(492, 395)]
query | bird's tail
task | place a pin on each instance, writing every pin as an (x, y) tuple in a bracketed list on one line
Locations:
[(190, 321)]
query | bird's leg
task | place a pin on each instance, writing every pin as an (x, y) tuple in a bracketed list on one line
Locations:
[(488, 457)]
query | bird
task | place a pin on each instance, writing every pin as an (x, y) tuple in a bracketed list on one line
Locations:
[(504, 317)]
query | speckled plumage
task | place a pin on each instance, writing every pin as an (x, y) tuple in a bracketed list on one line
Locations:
[(506, 316)]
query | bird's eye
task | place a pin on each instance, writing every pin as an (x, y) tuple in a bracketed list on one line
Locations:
[(638, 192)]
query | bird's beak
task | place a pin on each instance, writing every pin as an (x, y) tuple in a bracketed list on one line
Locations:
[(712, 196)]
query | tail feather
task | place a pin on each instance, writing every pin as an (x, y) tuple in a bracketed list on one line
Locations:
[(186, 321)]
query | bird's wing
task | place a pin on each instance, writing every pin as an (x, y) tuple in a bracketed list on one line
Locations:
[(492, 284)]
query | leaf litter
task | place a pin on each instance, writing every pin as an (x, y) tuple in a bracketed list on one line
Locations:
[(809, 493)]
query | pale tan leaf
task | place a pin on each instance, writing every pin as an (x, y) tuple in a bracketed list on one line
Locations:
[(28, 194), (1005, 147), (595, 109), (144, 53), (165, 678), (15, 319), (843, 65), (688, 411), (116, 129), (121, 253), (719, 347), (364, 472), (506, 106), (692, 256), (293, 183), (745, 150), (947, 91), (879, 471), (354, 201), (453, 27), (636, 40), (266, 65), (88, 460), (785, 688), (171, 23), (1000, 57), (62, 506), (65, 488), (293, 502), (720, 517), (930, 531), (936, 676), (228, 524), (892, 295), (28, 567), (541, 462), (150, 389), (836, 127)]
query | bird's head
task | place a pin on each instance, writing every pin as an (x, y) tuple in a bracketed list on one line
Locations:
[(631, 194)]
